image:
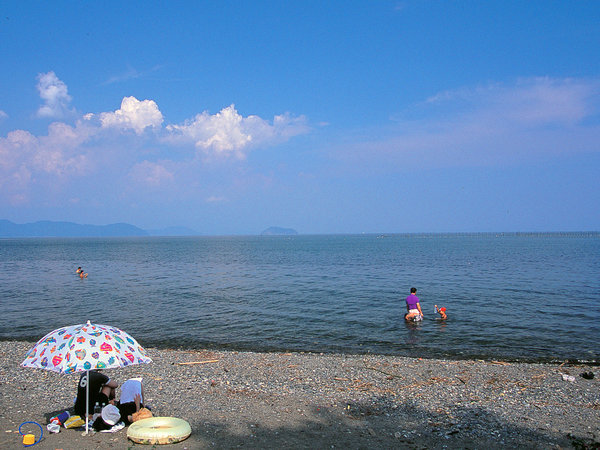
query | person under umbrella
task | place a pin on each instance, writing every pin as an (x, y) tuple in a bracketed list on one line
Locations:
[(128, 409), (101, 390), (82, 348)]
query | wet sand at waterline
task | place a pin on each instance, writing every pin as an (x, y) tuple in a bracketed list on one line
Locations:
[(307, 400)]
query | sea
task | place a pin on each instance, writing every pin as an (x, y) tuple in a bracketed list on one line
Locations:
[(509, 296)]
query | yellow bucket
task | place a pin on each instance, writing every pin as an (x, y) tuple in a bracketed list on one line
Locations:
[(28, 439)]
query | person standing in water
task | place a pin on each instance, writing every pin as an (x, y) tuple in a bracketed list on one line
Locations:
[(413, 306)]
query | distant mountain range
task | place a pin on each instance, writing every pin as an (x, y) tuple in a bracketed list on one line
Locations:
[(46, 228)]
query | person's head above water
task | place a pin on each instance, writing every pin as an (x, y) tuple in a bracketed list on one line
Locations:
[(413, 290)]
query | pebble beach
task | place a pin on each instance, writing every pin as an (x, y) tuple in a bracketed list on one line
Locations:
[(307, 400)]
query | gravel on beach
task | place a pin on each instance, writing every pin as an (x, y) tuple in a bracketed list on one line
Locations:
[(306, 400)]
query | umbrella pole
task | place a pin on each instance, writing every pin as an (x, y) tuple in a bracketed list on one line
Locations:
[(87, 400)]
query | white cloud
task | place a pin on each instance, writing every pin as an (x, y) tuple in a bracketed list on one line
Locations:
[(133, 114), (54, 93), (59, 153), (103, 147), (131, 74), (14, 173), (533, 118), (26, 160), (227, 133), (3, 115), (53, 154), (151, 174), (539, 100), (14, 149), (215, 199)]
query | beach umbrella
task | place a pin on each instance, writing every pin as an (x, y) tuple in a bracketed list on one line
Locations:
[(80, 348)]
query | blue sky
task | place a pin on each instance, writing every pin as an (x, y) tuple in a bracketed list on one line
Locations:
[(326, 117)]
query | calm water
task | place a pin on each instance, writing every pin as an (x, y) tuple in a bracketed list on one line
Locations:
[(526, 297)]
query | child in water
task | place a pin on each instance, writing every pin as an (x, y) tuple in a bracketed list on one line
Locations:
[(441, 312)]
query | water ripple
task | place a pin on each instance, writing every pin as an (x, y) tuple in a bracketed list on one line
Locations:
[(532, 297)]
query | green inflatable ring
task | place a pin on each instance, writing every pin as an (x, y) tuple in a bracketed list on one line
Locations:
[(159, 430)]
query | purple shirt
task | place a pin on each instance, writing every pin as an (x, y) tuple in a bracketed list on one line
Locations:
[(411, 301)]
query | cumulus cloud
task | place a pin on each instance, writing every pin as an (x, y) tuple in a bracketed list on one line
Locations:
[(53, 154), (133, 115), (55, 95), (13, 149), (227, 133), (114, 147), (26, 159)]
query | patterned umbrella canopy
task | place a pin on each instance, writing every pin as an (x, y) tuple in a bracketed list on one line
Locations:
[(84, 347)]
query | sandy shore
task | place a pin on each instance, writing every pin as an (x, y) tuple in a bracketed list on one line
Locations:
[(299, 400)]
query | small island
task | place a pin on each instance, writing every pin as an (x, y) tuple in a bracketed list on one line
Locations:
[(278, 231)]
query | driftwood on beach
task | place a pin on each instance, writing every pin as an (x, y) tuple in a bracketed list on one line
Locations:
[(190, 363), (291, 400)]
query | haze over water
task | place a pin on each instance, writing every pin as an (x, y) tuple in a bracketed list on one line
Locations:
[(509, 296)]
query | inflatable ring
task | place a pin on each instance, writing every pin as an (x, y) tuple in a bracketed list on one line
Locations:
[(159, 430)]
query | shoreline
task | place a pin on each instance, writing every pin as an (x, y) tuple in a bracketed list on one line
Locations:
[(313, 400), (593, 362)]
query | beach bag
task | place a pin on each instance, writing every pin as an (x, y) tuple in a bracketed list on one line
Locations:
[(74, 422)]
